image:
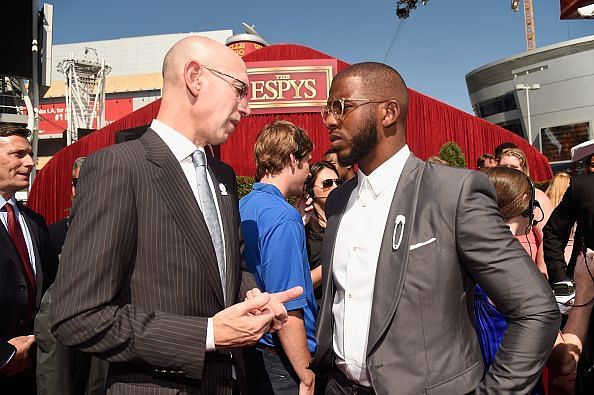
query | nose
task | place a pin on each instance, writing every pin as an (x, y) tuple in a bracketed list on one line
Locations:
[(244, 107), (330, 121), (28, 161)]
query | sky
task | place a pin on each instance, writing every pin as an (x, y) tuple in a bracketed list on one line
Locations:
[(433, 49)]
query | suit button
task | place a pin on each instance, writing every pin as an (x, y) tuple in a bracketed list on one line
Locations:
[(22, 288)]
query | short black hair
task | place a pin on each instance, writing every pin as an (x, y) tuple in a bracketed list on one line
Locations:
[(16, 131), (502, 147)]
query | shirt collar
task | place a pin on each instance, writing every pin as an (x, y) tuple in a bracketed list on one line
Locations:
[(12, 201), (179, 144), (387, 174), (267, 188)]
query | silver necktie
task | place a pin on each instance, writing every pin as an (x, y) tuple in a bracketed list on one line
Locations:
[(209, 210)]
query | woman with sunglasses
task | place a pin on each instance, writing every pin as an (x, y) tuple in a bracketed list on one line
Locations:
[(322, 179)]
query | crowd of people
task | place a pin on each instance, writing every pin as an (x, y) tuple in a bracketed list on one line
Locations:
[(389, 274)]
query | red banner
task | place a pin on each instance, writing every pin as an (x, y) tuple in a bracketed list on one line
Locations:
[(53, 120), (290, 86)]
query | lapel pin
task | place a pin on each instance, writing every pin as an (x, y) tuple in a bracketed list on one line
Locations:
[(223, 189), (398, 230)]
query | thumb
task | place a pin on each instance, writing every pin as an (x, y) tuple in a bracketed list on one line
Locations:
[(256, 302), (287, 295)]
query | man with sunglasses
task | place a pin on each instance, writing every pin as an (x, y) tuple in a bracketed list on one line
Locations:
[(405, 242), (150, 274), (275, 252)]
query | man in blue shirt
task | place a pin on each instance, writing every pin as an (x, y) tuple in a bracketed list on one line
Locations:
[(275, 252)]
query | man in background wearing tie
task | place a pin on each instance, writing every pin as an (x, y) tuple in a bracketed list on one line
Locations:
[(150, 269), (25, 252)]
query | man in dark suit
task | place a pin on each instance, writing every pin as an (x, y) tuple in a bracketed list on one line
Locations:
[(405, 242), (25, 256), (150, 270), (577, 205)]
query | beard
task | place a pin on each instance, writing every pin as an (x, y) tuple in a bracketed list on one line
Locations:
[(361, 144)]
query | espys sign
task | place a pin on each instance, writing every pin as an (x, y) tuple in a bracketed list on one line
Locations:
[(289, 86)]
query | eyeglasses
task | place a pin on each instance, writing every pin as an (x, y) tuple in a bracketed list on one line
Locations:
[(74, 181), (337, 107), (327, 183), (242, 88)]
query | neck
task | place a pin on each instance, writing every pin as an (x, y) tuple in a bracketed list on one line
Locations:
[(180, 122), (6, 195), (518, 225), (321, 214), (387, 147), (278, 181)]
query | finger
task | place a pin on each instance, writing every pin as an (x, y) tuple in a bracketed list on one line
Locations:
[(287, 295), (255, 303)]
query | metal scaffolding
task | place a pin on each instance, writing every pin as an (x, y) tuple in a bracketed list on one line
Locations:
[(85, 92)]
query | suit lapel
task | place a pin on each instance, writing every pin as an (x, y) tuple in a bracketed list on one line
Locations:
[(334, 211), (6, 244), (34, 232), (177, 195), (392, 262)]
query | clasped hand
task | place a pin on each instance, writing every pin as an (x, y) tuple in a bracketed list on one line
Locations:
[(245, 323)]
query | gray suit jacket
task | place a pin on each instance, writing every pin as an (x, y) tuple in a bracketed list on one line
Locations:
[(138, 276), (421, 338)]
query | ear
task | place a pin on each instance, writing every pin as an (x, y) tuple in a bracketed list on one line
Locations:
[(192, 72), (391, 114)]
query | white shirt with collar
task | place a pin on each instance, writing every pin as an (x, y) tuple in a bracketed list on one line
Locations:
[(356, 252), (23, 225), (182, 148)]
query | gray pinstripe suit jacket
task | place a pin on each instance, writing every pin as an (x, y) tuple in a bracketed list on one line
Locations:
[(138, 275)]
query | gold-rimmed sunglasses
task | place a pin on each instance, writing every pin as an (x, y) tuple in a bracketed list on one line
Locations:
[(337, 108)]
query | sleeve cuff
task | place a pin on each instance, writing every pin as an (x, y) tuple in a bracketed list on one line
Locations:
[(210, 342)]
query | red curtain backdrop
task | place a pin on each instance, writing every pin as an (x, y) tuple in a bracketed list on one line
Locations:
[(431, 123)]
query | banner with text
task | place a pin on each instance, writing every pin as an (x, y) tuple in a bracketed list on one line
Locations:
[(289, 86)]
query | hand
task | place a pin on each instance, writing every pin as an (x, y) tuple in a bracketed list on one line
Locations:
[(276, 305), (305, 207), (237, 326), (20, 361), (307, 387)]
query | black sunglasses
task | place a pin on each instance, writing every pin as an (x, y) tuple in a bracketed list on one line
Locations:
[(327, 183)]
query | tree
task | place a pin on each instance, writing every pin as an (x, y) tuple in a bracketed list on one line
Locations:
[(452, 153)]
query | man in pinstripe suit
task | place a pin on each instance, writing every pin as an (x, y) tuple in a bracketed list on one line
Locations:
[(140, 282)]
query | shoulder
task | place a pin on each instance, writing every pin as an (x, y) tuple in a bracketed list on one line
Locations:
[(221, 168), (33, 215)]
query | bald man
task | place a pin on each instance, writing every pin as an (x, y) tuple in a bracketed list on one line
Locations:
[(150, 269), (395, 317)]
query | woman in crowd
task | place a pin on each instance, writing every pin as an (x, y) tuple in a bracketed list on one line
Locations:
[(322, 179), (514, 191), (516, 159), (555, 192), (557, 187)]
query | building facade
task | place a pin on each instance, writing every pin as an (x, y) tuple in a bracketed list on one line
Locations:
[(546, 94), (134, 80)]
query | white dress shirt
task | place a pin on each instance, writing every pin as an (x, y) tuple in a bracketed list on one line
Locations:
[(356, 252), (183, 149), (23, 225)]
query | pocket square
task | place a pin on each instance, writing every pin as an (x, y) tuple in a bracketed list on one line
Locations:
[(415, 246)]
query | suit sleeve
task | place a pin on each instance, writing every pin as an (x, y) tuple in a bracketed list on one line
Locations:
[(92, 308), (496, 260), (556, 236)]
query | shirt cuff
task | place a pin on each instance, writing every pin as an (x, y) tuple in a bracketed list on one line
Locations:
[(210, 342)]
